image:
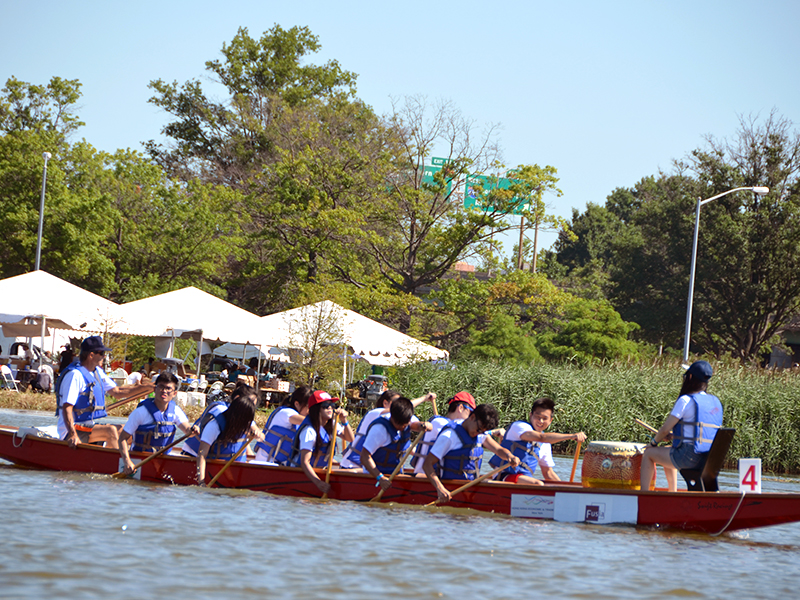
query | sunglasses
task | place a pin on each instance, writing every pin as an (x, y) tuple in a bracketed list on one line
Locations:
[(327, 404)]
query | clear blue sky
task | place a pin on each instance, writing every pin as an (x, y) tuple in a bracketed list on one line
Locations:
[(606, 92)]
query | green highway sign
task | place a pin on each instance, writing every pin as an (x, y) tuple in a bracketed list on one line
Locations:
[(478, 185)]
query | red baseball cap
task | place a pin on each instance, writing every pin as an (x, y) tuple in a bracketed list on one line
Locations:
[(464, 397), (320, 396)]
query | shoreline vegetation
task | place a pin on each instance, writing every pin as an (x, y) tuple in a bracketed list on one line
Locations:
[(602, 401)]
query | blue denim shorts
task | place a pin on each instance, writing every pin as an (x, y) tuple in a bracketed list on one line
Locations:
[(684, 457)]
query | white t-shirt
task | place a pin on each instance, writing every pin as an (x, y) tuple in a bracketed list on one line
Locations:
[(308, 437), (686, 410), (363, 426), (141, 416), (448, 441), (72, 386), (430, 437), (514, 434), (134, 378)]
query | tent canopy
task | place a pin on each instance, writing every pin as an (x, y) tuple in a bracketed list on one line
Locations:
[(63, 305), (190, 313), (244, 352), (375, 342)]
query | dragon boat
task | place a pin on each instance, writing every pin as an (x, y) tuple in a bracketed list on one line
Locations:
[(709, 512)]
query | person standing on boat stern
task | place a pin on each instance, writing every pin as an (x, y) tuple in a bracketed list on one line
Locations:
[(281, 426), (458, 451), (311, 444), (387, 440), (81, 397), (225, 434), (152, 424), (693, 423), (351, 457), (528, 441)]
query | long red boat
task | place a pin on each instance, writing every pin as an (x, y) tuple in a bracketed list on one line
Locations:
[(709, 512)]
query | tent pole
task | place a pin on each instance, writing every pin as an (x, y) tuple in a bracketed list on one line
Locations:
[(41, 345), (199, 356)]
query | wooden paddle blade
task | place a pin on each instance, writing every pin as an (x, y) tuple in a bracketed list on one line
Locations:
[(575, 462)]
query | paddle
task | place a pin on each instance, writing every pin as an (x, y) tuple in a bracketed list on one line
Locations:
[(230, 462), (575, 462), (473, 482), (331, 452), (645, 425), (435, 412), (152, 456), (138, 395), (399, 466)]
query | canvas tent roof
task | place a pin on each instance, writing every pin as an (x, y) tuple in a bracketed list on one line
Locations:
[(64, 305), (191, 313), (377, 343), (246, 352)]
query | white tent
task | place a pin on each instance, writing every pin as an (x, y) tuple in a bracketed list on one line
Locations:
[(245, 352), (377, 343), (38, 296), (191, 313)]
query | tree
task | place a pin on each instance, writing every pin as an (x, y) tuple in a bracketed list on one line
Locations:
[(502, 342), (590, 330)]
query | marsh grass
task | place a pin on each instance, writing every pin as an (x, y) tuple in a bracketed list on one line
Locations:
[(603, 401)]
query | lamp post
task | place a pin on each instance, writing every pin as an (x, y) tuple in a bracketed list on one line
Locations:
[(761, 191), (46, 156)]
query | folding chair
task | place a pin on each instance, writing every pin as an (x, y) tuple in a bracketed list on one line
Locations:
[(8, 378)]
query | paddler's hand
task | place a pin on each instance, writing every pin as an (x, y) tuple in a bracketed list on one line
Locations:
[(128, 468), (514, 460), (384, 483), (430, 397), (342, 414), (73, 440), (322, 486), (194, 430), (444, 495), (580, 437)]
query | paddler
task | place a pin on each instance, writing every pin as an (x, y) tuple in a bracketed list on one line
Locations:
[(528, 441), (387, 440), (152, 424), (311, 444), (692, 424), (458, 451), (281, 426), (459, 407), (351, 457), (225, 434), (81, 397)]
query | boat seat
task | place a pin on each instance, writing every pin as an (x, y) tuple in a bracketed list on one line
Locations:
[(703, 478)]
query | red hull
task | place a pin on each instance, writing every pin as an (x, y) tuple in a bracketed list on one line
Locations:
[(698, 511)]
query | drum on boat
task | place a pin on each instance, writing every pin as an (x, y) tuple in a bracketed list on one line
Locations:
[(612, 465)]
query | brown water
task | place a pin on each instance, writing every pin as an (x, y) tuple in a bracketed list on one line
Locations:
[(70, 535)]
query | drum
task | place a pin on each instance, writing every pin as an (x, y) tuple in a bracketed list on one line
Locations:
[(613, 465)]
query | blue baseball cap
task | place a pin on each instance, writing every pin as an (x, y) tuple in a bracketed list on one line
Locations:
[(94, 344), (700, 370)]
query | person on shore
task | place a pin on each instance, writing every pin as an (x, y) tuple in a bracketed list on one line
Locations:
[(351, 457), (388, 438), (152, 424), (528, 441), (459, 407), (281, 426), (311, 444), (458, 451), (80, 397), (227, 432), (693, 424)]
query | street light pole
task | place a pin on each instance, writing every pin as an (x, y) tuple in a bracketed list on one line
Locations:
[(46, 156), (761, 191)]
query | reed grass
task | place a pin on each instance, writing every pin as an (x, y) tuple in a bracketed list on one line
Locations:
[(603, 401)]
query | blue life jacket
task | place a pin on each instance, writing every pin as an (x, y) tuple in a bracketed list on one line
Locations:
[(708, 411), (353, 451), (424, 446), (224, 451), (319, 457), (464, 463), (386, 458), (91, 403), (277, 440), (211, 411), (526, 452), (159, 433)]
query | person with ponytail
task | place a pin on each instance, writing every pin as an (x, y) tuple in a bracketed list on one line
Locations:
[(311, 444), (281, 426), (692, 424), (223, 436)]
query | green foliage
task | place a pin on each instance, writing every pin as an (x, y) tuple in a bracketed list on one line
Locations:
[(502, 342), (591, 330), (39, 108)]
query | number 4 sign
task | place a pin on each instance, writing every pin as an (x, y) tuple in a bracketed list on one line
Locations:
[(750, 475)]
